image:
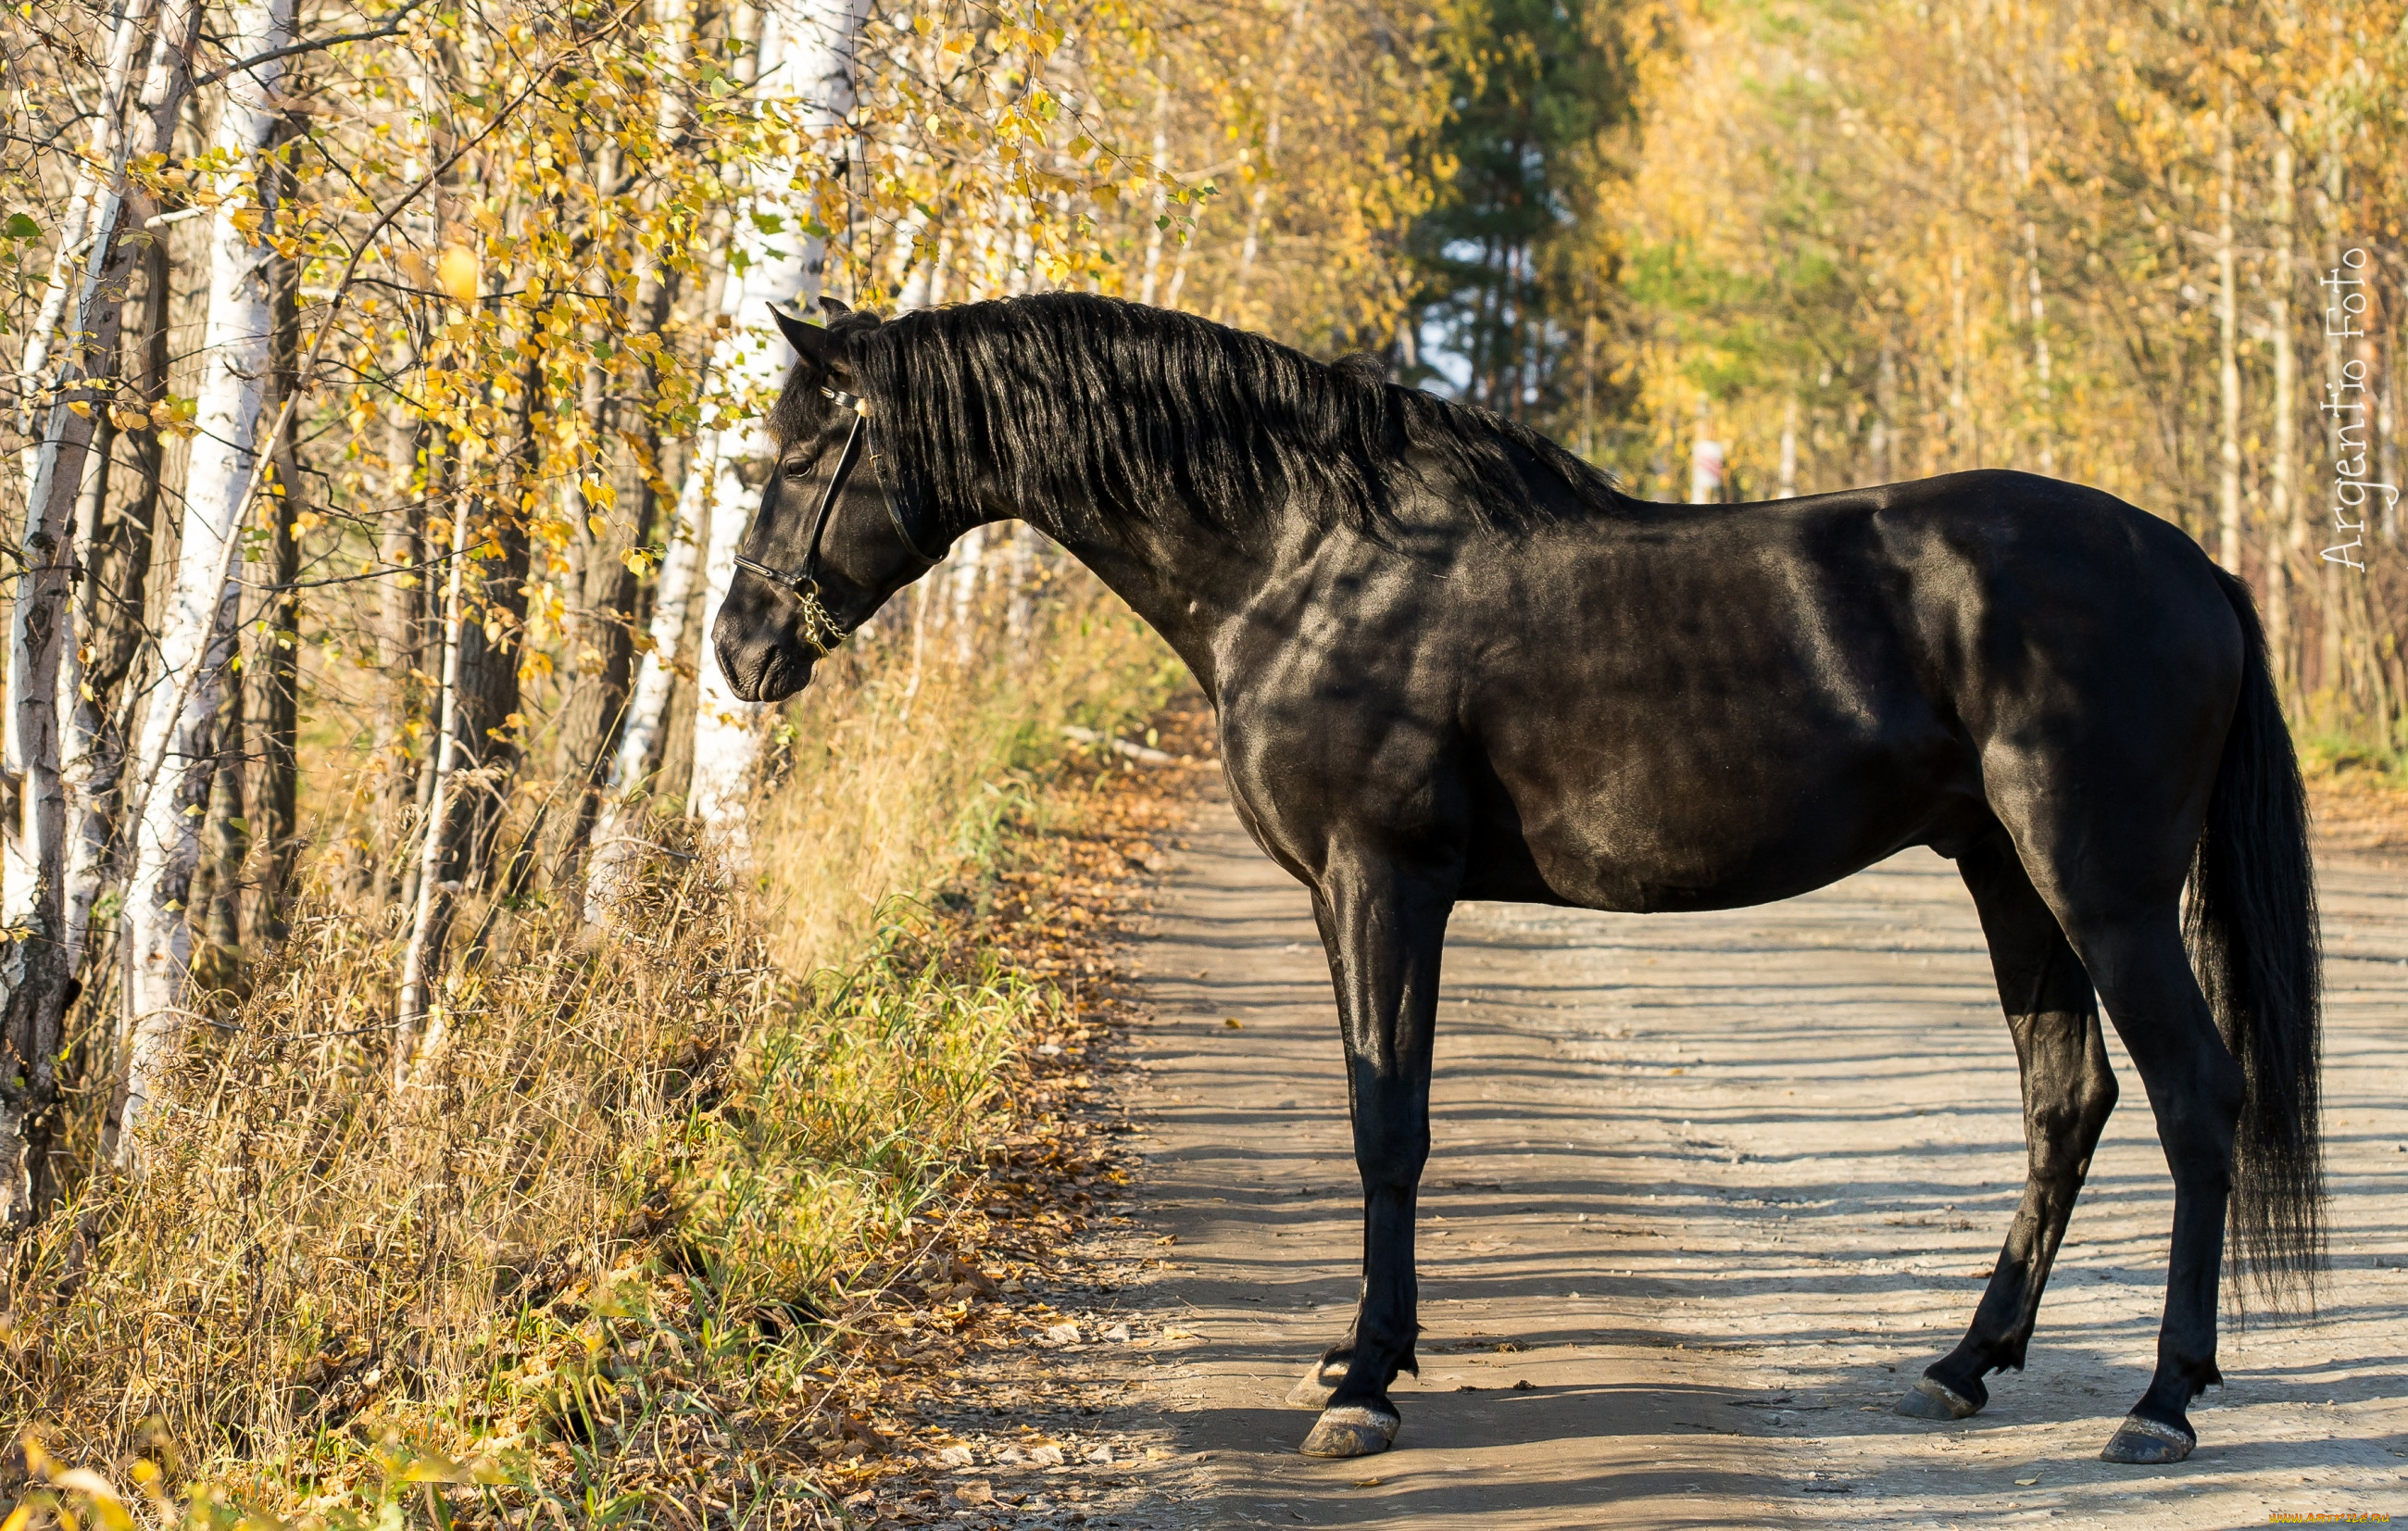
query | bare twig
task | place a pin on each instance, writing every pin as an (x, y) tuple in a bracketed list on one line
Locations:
[(390, 29)]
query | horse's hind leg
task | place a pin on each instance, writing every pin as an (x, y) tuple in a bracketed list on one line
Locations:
[(2068, 1090), (2195, 1088)]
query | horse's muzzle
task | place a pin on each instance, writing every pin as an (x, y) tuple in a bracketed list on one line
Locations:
[(767, 674)]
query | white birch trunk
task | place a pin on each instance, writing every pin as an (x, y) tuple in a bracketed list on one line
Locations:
[(609, 846), (1788, 450), (1178, 270), (425, 916), (2036, 295), (933, 296), (807, 50), (672, 604), (1019, 575), (969, 555), (197, 632), (1882, 444), (91, 755), (36, 971), (614, 846), (2286, 531), (75, 227), (1161, 194), (2227, 324), (926, 287), (903, 262), (1235, 310)]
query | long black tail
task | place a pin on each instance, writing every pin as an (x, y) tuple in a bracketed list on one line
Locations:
[(2252, 926)]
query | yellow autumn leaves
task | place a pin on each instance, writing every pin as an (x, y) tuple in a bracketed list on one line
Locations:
[(457, 272)]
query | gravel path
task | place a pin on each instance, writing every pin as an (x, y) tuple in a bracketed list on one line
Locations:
[(1709, 1192)]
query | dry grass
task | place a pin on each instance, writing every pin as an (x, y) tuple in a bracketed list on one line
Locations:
[(896, 768), (610, 1221)]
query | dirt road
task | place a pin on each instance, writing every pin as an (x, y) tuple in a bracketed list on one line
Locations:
[(1709, 1191)]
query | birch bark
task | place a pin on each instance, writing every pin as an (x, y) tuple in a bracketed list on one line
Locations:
[(94, 698), (2286, 531), (1234, 310), (426, 924), (1880, 443), (2036, 296), (807, 49), (83, 201), (278, 825), (1788, 490), (614, 849), (37, 968), (1161, 194), (597, 725), (198, 635), (2227, 322)]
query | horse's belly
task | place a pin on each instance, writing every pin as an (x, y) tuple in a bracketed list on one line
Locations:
[(1780, 823)]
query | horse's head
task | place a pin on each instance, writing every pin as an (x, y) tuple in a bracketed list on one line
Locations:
[(825, 549)]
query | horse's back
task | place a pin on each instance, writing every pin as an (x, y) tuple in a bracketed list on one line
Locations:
[(1743, 703)]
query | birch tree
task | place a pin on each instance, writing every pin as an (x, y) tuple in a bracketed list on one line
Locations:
[(2227, 324), (413, 1030), (591, 739), (197, 638), (807, 50), (39, 963), (76, 227), (95, 695), (2286, 531), (614, 845)]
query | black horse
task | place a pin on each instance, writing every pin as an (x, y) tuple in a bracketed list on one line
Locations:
[(1452, 662)]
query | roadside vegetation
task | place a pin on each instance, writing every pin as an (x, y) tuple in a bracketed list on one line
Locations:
[(615, 1227)]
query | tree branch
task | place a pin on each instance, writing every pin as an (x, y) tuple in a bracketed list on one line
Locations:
[(389, 29)]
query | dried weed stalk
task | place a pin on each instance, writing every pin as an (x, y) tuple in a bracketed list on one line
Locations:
[(638, 1175)]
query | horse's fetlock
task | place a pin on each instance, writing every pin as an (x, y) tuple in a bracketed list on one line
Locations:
[(1389, 1169)]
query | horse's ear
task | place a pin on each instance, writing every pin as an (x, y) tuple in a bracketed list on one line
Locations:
[(832, 307), (811, 342)]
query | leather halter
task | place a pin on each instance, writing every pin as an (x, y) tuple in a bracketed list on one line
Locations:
[(803, 584)]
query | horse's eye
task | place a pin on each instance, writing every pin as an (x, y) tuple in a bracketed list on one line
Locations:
[(798, 468)]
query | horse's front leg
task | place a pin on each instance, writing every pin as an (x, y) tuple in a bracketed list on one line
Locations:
[(1384, 930)]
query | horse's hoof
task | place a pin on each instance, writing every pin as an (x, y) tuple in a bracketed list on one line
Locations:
[(1933, 1400), (1319, 1381), (1351, 1431), (2148, 1443)]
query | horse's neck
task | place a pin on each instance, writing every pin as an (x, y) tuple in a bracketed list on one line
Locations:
[(1186, 580)]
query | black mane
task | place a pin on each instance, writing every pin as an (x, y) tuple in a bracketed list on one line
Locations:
[(1069, 400)]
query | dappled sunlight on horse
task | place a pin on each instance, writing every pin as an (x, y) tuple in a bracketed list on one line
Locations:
[(1452, 662)]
